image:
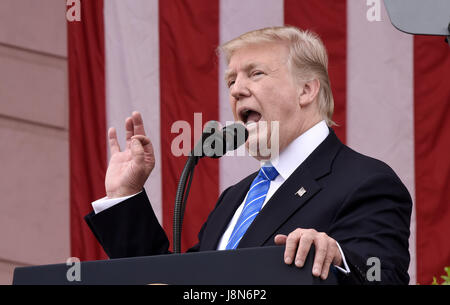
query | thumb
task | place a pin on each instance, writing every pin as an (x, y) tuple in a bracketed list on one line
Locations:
[(143, 139), (137, 151), (146, 143), (280, 239)]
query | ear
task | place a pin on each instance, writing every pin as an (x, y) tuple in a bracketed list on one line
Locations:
[(308, 92)]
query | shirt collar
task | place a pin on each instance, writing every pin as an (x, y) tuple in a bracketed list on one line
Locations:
[(299, 149)]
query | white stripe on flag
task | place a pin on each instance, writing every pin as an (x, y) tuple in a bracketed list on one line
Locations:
[(380, 97), (132, 75), (236, 18)]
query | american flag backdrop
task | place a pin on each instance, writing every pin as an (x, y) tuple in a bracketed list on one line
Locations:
[(391, 90)]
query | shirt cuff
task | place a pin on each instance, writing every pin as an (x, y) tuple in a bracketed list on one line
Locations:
[(346, 270), (105, 202)]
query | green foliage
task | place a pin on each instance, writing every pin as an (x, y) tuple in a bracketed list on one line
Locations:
[(446, 278)]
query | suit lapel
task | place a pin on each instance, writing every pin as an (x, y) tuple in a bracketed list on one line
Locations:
[(286, 201), (279, 208)]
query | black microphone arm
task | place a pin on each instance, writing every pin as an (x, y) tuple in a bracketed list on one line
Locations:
[(213, 144)]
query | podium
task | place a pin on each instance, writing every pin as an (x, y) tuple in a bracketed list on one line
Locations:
[(248, 266)]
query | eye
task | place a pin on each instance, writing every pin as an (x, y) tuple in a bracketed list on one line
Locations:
[(231, 83), (256, 73)]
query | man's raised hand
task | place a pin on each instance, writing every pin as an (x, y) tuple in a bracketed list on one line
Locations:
[(129, 169)]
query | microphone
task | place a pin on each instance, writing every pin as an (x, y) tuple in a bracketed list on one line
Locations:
[(216, 144), (234, 135), (210, 130), (213, 144)]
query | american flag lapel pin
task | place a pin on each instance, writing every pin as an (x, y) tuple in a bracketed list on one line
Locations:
[(301, 191)]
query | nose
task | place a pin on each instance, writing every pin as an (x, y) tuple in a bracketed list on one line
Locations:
[(240, 88)]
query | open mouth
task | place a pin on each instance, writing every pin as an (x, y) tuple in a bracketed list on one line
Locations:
[(249, 115)]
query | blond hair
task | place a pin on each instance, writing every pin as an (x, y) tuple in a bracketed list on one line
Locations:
[(307, 59)]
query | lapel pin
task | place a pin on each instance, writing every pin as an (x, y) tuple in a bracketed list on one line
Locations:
[(301, 191)]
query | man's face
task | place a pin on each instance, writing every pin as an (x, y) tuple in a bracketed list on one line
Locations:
[(262, 89)]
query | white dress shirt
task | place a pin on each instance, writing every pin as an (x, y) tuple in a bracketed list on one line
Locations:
[(286, 163)]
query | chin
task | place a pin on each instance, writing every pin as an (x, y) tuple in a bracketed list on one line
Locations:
[(259, 152)]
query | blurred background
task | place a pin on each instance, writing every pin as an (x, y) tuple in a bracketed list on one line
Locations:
[(70, 69), (34, 131)]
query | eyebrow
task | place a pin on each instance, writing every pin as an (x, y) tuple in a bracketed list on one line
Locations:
[(247, 67)]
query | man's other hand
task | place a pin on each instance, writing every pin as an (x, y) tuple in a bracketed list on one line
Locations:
[(129, 169), (298, 244)]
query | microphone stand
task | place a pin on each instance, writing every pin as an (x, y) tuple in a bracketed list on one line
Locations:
[(447, 39), (183, 189), (180, 199)]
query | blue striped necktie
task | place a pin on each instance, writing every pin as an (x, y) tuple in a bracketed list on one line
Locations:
[(255, 198)]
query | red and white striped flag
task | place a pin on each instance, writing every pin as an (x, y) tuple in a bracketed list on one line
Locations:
[(391, 90)]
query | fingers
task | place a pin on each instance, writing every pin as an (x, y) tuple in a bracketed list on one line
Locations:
[(143, 139), (147, 144), (292, 244), (321, 244), (134, 126), (138, 124), (129, 130), (328, 260), (298, 243), (137, 151), (112, 140), (280, 239), (303, 249), (134, 129), (139, 144)]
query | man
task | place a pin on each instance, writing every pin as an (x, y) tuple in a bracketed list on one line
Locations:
[(315, 192)]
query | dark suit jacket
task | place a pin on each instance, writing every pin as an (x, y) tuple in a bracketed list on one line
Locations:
[(357, 200)]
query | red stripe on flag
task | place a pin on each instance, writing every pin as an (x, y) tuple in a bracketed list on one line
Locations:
[(87, 131), (432, 151), (189, 34), (328, 18)]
